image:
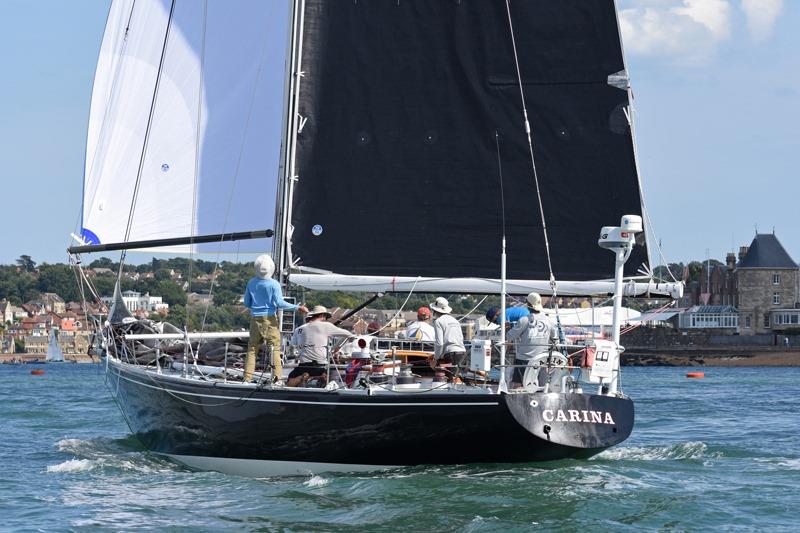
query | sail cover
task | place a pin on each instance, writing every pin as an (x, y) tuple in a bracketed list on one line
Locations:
[(184, 133), (397, 162)]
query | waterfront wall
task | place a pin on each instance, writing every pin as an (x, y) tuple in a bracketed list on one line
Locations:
[(655, 338)]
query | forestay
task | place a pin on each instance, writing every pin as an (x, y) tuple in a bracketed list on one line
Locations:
[(396, 159), (185, 124)]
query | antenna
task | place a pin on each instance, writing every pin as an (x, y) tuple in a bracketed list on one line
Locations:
[(501, 386)]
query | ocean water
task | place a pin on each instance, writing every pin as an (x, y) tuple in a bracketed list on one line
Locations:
[(721, 453)]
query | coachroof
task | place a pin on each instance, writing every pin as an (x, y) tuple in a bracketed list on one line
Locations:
[(766, 252)]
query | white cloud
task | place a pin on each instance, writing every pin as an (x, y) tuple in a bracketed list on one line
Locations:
[(761, 16), (691, 31), (714, 15), (687, 30)]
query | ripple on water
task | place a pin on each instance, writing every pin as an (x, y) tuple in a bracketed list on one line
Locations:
[(110, 454), (316, 481), (681, 451)]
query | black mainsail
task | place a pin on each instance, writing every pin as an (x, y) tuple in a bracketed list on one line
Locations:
[(396, 158)]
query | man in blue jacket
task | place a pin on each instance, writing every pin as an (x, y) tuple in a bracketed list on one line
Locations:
[(513, 314), (264, 297)]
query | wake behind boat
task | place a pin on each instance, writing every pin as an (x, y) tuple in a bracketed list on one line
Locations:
[(425, 147)]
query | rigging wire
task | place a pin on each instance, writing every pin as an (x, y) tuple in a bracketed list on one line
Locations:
[(200, 86), (553, 286), (105, 121), (135, 195), (400, 310), (530, 148), (502, 192), (225, 219), (473, 309)]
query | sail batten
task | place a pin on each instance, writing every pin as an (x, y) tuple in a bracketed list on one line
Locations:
[(396, 162)]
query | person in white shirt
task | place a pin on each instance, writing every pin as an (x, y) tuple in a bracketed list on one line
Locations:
[(312, 340), (448, 346), (421, 330), (531, 335)]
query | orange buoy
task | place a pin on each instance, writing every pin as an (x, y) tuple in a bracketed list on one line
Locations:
[(37, 372), (695, 375)]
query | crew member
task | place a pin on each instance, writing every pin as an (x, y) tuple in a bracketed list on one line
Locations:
[(513, 314), (531, 336), (312, 338), (421, 330), (448, 346), (264, 297)]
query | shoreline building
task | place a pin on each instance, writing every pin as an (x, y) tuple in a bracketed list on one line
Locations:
[(138, 303), (767, 283)]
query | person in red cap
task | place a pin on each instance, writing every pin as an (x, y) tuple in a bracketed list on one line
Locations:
[(421, 330)]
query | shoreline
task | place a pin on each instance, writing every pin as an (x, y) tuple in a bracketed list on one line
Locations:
[(728, 357), (27, 358)]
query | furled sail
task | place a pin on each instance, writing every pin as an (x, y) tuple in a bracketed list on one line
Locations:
[(184, 132), (397, 166)]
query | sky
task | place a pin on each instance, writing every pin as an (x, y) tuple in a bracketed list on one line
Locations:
[(717, 108)]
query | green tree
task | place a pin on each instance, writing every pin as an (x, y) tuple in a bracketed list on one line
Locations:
[(26, 263), (226, 297), (170, 291), (104, 262), (60, 279)]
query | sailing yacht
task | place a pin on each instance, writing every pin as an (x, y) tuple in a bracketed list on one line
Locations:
[(432, 147), (54, 352)]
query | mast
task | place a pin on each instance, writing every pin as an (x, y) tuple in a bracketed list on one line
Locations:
[(292, 126), (277, 247)]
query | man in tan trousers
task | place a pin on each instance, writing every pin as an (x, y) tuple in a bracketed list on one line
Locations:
[(264, 298)]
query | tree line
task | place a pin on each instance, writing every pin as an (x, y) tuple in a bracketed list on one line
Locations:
[(26, 280)]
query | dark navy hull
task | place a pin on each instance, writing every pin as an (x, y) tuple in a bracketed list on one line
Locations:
[(189, 418)]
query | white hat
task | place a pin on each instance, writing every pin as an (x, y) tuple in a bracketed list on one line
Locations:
[(265, 266), (318, 310), (535, 301), (441, 306)]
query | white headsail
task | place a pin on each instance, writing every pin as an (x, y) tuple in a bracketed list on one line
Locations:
[(184, 130), (54, 352)]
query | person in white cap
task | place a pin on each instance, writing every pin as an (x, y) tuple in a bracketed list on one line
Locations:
[(312, 339), (531, 336), (448, 341), (263, 296)]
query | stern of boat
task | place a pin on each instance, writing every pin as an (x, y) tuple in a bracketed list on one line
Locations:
[(577, 420)]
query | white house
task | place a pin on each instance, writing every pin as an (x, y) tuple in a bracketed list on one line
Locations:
[(134, 301)]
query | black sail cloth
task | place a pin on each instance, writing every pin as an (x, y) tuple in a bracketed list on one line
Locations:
[(397, 161)]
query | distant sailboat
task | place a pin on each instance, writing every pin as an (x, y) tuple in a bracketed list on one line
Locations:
[(54, 352)]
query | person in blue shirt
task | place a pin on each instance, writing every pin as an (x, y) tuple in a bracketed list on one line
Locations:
[(513, 314), (264, 297)]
